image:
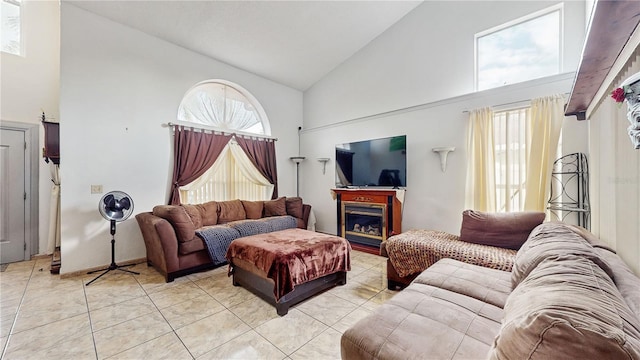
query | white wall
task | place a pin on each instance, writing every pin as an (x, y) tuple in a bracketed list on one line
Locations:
[(426, 56), (118, 86), (425, 62), (615, 174), (30, 85)]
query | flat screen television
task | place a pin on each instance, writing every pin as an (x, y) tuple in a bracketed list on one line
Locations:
[(376, 162)]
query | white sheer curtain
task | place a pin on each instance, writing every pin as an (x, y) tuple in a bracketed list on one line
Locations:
[(232, 176), (221, 106), (481, 183), (54, 211), (547, 115)]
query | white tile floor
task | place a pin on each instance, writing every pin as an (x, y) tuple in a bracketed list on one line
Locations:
[(200, 316)]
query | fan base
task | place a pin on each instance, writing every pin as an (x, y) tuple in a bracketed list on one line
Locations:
[(111, 267)]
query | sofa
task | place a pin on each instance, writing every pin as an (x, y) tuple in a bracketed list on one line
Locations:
[(568, 296), (486, 239), (179, 238)]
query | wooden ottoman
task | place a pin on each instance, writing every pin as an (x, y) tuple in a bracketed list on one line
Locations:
[(288, 266)]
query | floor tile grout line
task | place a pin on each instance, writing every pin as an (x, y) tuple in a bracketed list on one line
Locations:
[(15, 318), (193, 281), (86, 301)]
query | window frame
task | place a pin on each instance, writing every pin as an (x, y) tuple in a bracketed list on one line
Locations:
[(21, 6), (523, 19)]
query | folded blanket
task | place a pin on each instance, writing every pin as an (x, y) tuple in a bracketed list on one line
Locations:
[(217, 239)]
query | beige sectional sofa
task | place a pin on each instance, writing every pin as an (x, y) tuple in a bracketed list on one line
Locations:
[(173, 234), (567, 297)]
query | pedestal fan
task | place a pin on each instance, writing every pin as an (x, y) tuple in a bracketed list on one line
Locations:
[(115, 206)]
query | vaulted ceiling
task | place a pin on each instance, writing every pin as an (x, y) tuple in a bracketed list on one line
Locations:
[(294, 43)]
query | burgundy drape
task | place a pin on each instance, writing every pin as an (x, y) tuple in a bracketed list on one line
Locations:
[(194, 153), (263, 156)]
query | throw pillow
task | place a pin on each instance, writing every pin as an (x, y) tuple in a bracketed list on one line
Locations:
[(194, 214), (231, 210), (505, 230), (253, 209), (294, 207), (275, 207), (177, 216), (209, 213)]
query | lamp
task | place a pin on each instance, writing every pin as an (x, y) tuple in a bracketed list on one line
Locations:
[(443, 152), (297, 160), (324, 164)]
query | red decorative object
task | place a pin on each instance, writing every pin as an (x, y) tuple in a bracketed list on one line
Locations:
[(618, 95)]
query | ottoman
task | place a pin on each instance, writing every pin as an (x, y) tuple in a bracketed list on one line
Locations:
[(288, 266)]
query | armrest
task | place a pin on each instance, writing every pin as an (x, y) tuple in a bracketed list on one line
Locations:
[(160, 241), (306, 210), (383, 249)]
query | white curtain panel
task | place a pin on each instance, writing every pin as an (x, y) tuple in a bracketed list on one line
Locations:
[(232, 176), (481, 185), (547, 115), (54, 210)]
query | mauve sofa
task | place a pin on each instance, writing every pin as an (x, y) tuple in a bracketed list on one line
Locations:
[(170, 231), (568, 296)]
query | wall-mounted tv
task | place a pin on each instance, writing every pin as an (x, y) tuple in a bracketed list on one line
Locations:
[(376, 162)]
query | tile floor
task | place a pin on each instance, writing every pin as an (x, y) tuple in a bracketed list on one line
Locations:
[(200, 316)]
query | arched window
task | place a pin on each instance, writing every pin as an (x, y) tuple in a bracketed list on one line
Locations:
[(227, 107), (224, 105)]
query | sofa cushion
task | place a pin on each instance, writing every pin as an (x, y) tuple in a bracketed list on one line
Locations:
[(505, 230), (567, 308), (231, 210), (253, 208), (293, 207), (552, 240), (194, 215), (275, 207), (424, 322), (626, 281), (177, 216), (208, 213), (489, 285), (191, 246)]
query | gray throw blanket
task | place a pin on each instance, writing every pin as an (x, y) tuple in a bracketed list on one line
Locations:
[(217, 239)]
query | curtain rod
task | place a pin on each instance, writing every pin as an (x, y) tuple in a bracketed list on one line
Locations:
[(512, 103), (237, 133)]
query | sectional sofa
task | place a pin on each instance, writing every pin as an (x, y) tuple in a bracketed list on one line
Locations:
[(176, 236), (568, 296)]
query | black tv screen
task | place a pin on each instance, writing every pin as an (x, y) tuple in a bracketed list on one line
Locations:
[(377, 162)]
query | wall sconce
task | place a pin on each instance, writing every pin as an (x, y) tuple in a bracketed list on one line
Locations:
[(297, 160), (324, 164), (443, 152)]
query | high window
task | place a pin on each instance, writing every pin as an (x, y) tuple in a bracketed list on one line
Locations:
[(524, 49), (10, 16), (227, 107)]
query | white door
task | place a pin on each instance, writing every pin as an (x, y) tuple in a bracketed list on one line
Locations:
[(12, 196)]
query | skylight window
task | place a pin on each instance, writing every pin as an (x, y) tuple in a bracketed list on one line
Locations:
[(525, 49), (10, 17)]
